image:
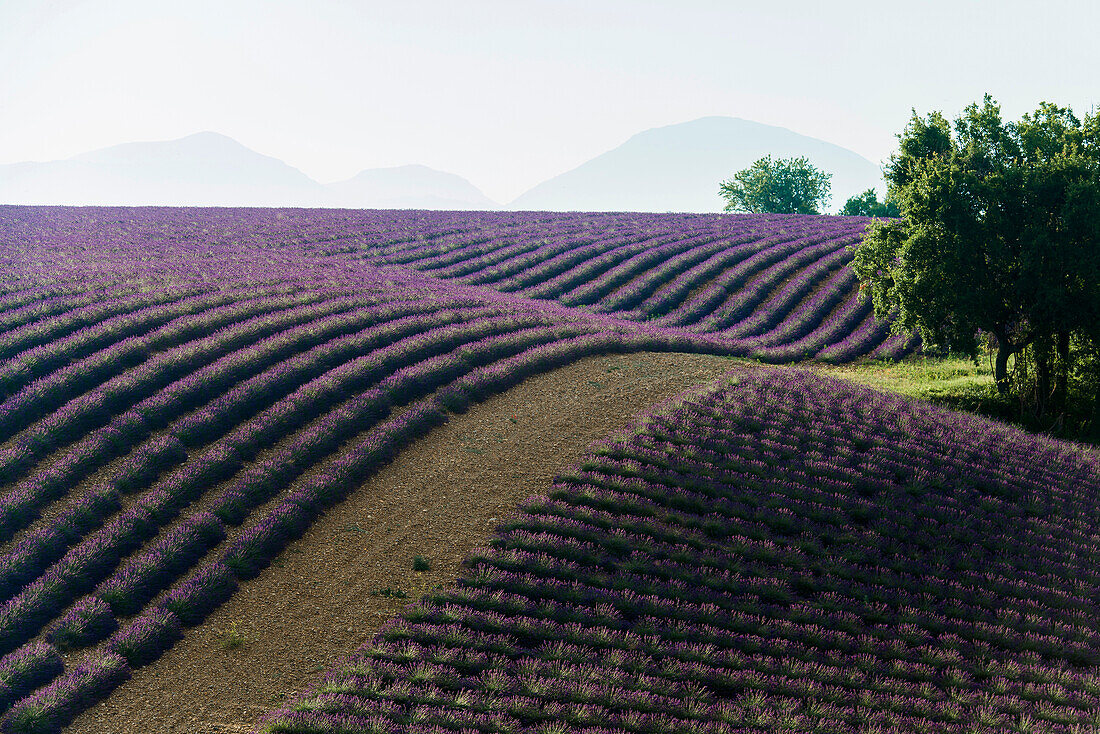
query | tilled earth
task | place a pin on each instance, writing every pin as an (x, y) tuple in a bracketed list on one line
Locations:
[(330, 590)]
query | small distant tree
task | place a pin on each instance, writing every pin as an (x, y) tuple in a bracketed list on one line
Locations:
[(868, 205), (779, 186)]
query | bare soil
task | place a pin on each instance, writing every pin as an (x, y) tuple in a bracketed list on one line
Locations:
[(332, 588)]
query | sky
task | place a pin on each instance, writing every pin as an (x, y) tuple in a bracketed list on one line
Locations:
[(508, 93)]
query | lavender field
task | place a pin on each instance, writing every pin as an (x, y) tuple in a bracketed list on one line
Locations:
[(774, 552), (168, 376)]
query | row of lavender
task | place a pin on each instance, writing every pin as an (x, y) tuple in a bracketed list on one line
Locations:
[(715, 274), (190, 490), (750, 280), (775, 552), (161, 393)]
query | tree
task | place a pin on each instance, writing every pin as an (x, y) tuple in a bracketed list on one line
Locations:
[(781, 186), (1000, 236), (868, 205)]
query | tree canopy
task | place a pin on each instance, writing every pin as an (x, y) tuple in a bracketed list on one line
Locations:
[(868, 205), (1000, 237), (779, 186)]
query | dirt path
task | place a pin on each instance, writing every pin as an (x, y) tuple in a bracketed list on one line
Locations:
[(440, 498)]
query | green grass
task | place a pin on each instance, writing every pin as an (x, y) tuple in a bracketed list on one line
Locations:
[(930, 378), (951, 382), (232, 638)]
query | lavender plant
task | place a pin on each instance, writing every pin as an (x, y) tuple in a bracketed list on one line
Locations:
[(89, 620), (24, 670)]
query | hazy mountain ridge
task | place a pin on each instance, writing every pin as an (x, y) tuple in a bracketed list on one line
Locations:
[(210, 169), (679, 167), (672, 168), (409, 187)]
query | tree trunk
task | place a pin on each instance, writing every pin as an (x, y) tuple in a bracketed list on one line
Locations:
[(1042, 378), (1094, 422), (1000, 367), (1061, 385)]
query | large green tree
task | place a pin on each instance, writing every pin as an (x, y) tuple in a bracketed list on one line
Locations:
[(999, 237), (779, 186)]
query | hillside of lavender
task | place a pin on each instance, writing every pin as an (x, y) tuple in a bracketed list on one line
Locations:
[(774, 552), (167, 377)]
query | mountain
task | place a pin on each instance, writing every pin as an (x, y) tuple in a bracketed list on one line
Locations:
[(205, 169), (209, 169), (673, 168), (679, 167), (408, 187)]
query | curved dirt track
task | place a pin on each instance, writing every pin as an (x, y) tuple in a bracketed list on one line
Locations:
[(440, 498)]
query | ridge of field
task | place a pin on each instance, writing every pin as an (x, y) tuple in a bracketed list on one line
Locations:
[(774, 551), (171, 376)]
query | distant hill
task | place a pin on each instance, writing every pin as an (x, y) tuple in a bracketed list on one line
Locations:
[(673, 168), (210, 169), (408, 187), (205, 169), (679, 167)]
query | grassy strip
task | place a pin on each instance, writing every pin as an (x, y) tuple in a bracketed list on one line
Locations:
[(957, 383)]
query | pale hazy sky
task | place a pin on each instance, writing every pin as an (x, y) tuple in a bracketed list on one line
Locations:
[(510, 92)]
